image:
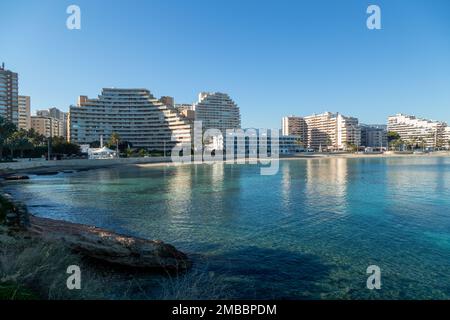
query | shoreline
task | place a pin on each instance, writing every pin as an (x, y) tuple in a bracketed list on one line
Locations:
[(54, 167)]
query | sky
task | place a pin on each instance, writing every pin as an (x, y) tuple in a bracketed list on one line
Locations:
[(274, 58)]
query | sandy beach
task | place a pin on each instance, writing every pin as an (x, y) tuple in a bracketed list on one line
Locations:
[(53, 167)]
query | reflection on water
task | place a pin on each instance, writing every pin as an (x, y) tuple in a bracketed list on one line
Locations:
[(308, 232)]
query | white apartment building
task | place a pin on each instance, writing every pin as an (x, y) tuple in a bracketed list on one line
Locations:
[(24, 113), (447, 137), (217, 111), (294, 126), (9, 96), (47, 126), (135, 114), (331, 131), (418, 130)]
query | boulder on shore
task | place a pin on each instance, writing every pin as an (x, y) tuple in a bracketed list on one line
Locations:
[(111, 247)]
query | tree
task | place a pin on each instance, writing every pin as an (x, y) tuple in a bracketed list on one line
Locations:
[(129, 152), (115, 140), (7, 128), (16, 141), (63, 147), (393, 139), (36, 138), (24, 142), (351, 146)]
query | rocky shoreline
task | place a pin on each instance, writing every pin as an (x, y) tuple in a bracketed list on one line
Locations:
[(103, 245)]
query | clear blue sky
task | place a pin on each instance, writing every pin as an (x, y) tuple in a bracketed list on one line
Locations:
[(274, 58)]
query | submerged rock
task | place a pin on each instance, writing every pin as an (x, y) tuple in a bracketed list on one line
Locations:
[(17, 177), (111, 247)]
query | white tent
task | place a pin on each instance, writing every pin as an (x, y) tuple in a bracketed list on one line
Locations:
[(101, 153)]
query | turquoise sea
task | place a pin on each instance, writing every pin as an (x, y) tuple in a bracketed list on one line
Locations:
[(308, 232)]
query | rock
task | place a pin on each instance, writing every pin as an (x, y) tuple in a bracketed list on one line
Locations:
[(17, 177), (46, 173), (110, 247), (11, 218)]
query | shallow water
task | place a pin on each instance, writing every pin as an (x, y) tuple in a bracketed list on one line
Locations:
[(308, 232)]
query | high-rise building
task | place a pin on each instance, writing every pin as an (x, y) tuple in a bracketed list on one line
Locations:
[(333, 131), (24, 113), (417, 130), (9, 95), (328, 130), (168, 101), (217, 111), (135, 114), (47, 126), (373, 136), (294, 126), (57, 114)]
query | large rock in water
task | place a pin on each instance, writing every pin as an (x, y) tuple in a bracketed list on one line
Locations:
[(111, 247)]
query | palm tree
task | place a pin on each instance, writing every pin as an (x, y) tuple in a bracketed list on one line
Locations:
[(7, 128), (115, 140)]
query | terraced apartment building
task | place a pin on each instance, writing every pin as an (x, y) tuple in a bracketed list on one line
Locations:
[(217, 111), (135, 114), (331, 131), (429, 133)]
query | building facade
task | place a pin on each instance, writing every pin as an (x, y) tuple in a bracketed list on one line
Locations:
[(47, 126), (447, 137), (168, 101), (374, 136), (429, 133), (186, 110), (135, 114), (9, 95), (24, 113), (57, 114), (294, 126), (217, 111), (326, 131)]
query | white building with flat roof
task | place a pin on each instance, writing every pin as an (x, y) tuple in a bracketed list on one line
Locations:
[(418, 130), (331, 131)]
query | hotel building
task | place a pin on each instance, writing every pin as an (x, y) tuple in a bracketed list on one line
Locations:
[(9, 97), (328, 130), (24, 113), (217, 111), (135, 114), (412, 129), (47, 126)]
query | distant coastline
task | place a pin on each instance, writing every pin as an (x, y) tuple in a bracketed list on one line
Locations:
[(42, 167)]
